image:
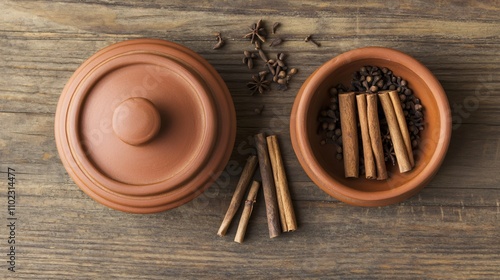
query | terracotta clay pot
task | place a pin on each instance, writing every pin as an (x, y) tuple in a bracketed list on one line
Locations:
[(145, 125), (319, 161)]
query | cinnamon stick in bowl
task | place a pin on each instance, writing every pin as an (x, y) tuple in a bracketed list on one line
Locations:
[(402, 158), (347, 103), (403, 127), (369, 159), (375, 137)]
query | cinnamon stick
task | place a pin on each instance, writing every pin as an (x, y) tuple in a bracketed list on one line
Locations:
[(396, 137), (247, 211), (287, 214), (268, 186), (396, 103), (375, 137), (239, 192), (370, 171), (347, 105)]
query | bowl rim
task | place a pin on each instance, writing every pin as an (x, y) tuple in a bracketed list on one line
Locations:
[(302, 145)]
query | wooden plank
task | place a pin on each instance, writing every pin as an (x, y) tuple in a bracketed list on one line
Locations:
[(471, 93), (428, 242), (448, 230)]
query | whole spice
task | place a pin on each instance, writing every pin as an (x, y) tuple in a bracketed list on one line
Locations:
[(396, 136), (375, 138), (290, 73), (389, 154), (247, 211), (271, 66), (280, 60), (268, 186), (396, 103), (329, 120), (275, 26), (257, 31), (248, 58), (276, 42), (239, 192), (413, 114), (220, 41), (257, 44), (347, 104), (263, 55), (276, 67), (287, 214), (310, 39), (368, 157), (259, 84), (373, 79), (263, 73)]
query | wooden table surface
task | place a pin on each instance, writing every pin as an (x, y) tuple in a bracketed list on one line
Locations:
[(451, 229)]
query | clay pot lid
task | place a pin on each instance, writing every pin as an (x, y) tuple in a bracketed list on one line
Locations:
[(145, 125)]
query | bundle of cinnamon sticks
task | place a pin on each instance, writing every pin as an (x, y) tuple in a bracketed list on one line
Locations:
[(364, 106), (279, 207)]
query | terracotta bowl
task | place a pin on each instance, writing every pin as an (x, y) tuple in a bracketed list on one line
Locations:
[(145, 125), (319, 161)]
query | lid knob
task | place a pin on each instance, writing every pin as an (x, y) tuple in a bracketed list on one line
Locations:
[(136, 121)]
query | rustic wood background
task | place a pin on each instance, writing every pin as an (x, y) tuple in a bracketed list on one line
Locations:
[(449, 230)]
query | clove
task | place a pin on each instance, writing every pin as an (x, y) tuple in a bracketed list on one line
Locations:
[(310, 39), (220, 41)]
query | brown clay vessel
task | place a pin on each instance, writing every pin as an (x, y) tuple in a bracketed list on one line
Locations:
[(145, 125), (319, 161)]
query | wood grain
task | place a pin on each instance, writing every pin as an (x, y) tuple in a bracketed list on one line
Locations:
[(451, 229)]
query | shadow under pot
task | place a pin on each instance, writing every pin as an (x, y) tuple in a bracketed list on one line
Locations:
[(145, 125)]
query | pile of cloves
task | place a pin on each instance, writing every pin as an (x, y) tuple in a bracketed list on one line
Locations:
[(329, 119)]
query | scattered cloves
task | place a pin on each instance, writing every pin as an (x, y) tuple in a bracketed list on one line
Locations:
[(310, 39), (290, 73), (276, 42), (248, 59), (263, 55), (220, 41), (271, 65), (275, 26)]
